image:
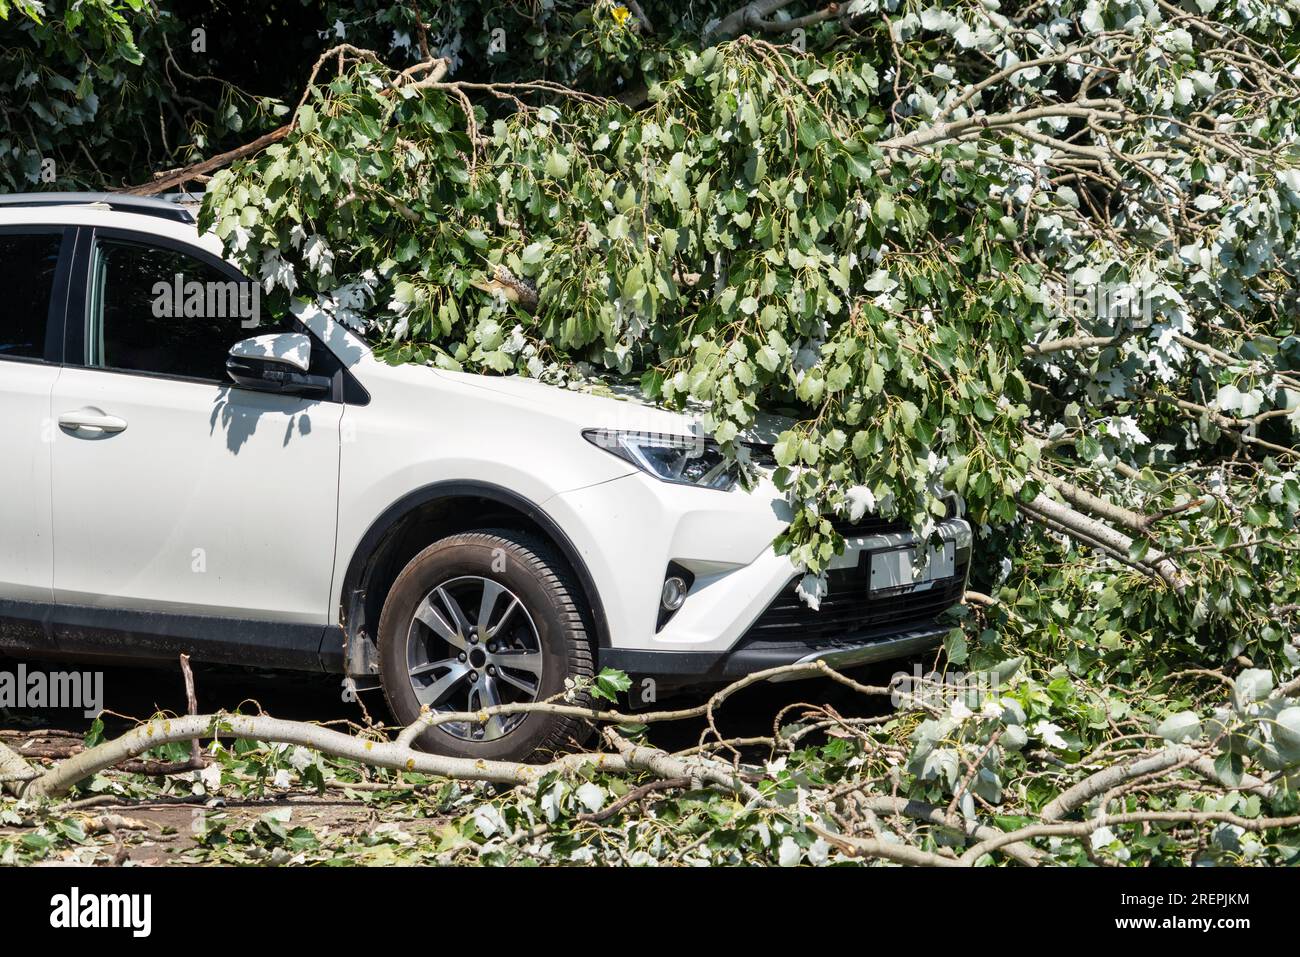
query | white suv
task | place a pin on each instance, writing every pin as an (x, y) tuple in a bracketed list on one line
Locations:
[(180, 477)]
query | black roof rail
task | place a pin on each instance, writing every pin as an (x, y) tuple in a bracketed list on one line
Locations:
[(119, 202)]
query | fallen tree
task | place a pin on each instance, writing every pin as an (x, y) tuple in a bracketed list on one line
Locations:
[(1038, 257), (781, 785)]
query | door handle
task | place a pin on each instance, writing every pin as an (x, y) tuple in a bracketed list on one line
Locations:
[(92, 420)]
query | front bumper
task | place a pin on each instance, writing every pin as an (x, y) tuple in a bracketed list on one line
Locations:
[(674, 670), (742, 613)]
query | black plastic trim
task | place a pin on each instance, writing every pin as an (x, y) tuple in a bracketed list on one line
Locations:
[(87, 632), (118, 202), (23, 627), (677, 670), (388, 520), (686, 575)]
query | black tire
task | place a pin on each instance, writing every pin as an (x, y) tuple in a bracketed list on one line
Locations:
[(539, 578)]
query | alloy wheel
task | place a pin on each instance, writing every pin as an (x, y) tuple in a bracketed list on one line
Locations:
[(471, 645)]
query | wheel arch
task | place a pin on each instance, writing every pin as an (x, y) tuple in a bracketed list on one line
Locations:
[(441, 508)]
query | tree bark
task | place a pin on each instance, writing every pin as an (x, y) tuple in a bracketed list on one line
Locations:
[(1114, 542), (382, 754), (177, 177)]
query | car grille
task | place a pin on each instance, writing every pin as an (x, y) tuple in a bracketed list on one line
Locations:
[(878, 524), (869, 525), (848, 609)]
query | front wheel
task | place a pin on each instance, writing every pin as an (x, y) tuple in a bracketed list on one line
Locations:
[(480, 619)]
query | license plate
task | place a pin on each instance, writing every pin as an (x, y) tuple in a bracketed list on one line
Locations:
[(898, 569)]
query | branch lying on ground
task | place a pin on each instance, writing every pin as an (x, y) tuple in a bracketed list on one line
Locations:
[(197, 761), (382, 754), (431, 719), (15, 772), (675, 772), (396, 755), (666, 765)]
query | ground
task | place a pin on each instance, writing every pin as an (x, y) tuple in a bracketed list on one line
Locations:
[(173, 820)]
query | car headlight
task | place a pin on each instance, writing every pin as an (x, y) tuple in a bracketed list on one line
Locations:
[(685, 459)]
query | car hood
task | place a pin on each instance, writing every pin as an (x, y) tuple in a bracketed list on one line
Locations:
[(625, 409)]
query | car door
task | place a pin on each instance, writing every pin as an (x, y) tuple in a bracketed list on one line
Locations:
[(175, 493), (34, 262)]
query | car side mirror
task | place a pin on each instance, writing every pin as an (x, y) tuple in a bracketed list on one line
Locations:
[(276, 363)]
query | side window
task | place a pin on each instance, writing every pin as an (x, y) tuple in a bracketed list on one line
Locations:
[(27, 265), (161, 311)]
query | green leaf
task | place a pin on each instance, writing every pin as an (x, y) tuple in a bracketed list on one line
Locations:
[(1286, 735), (786, 449), (557, 165), (838, 378), (609, 684), (95, 734), (1180, 727), (1004, 671), (954, 644), (1229, 769), (1253, 684)]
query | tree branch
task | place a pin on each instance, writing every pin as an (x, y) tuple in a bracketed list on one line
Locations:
[(1072, 344), (938, 132), (183, 175), (1113, 542), (382, 754)]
